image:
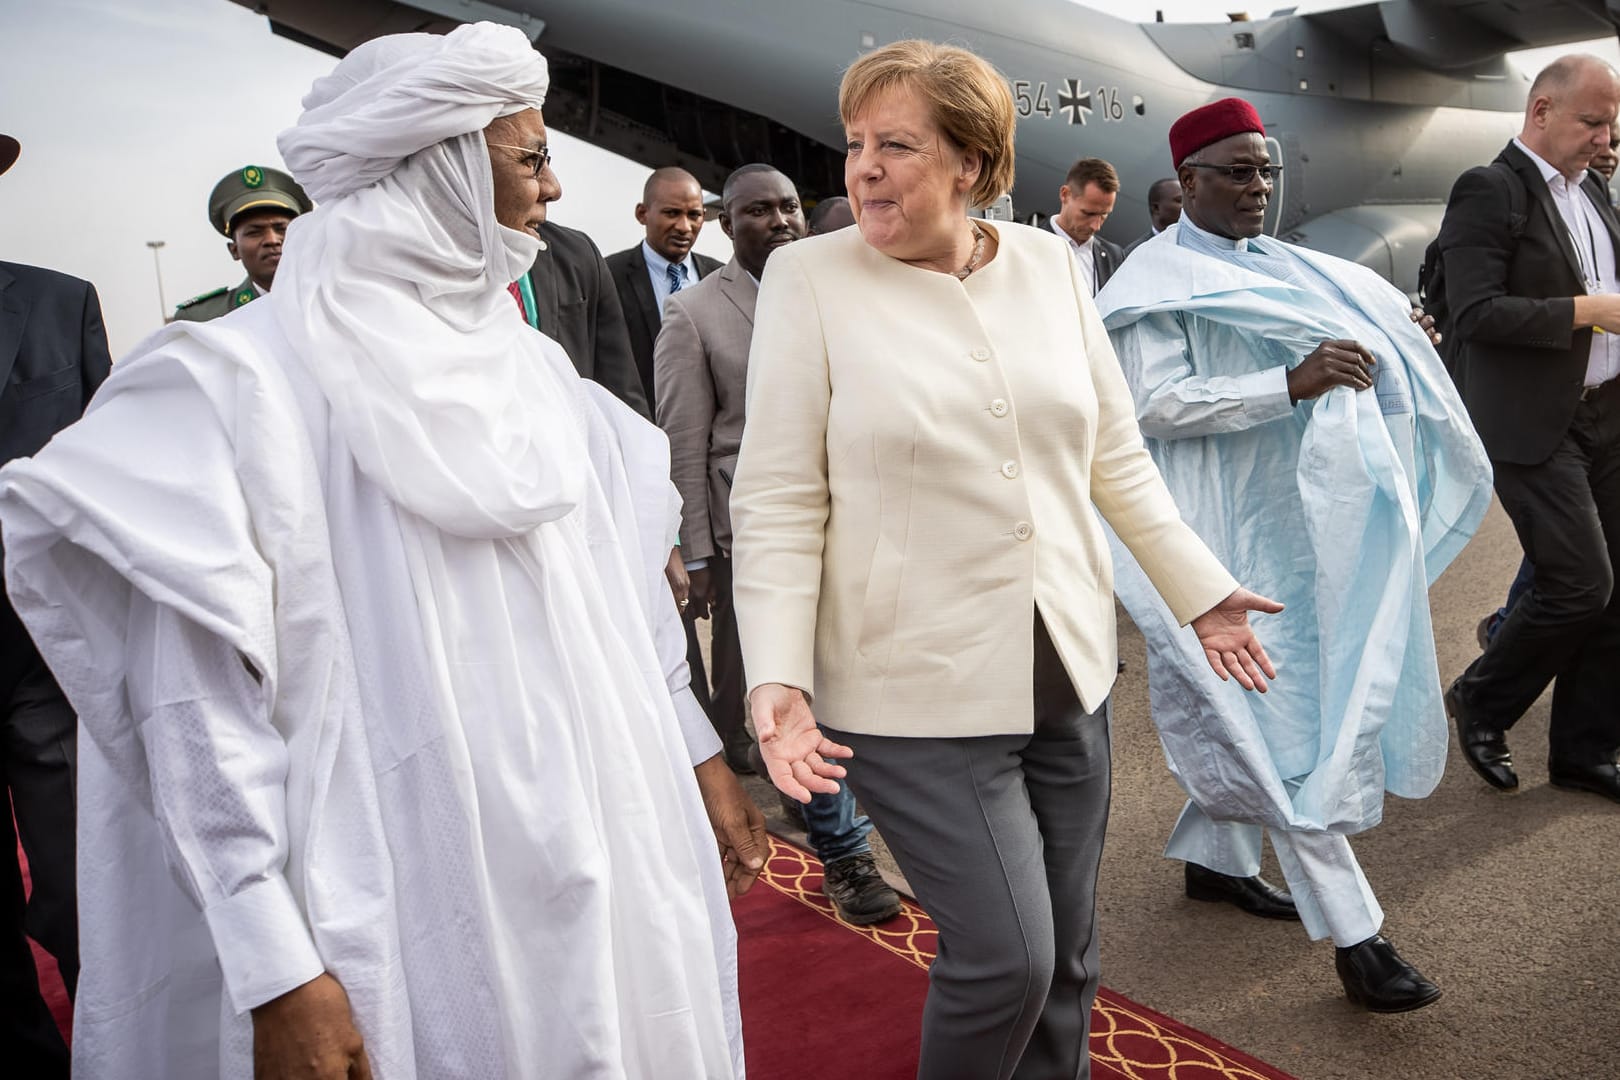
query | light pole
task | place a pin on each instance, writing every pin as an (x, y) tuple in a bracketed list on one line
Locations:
[(157, 267)]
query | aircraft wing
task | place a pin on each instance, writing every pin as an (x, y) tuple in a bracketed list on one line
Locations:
[(1450, 35), (1407, 52)]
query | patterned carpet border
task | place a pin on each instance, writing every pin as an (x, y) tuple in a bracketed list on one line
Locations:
[(1128, 1040)]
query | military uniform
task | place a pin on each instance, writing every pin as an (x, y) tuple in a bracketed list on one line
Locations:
[(211, 305), (252, 187)]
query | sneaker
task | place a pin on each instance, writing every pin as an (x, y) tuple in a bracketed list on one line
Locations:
[(858, 891)]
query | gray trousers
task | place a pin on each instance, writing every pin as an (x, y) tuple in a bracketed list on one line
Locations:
[(1000, 836)]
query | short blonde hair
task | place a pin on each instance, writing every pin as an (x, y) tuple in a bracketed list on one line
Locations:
[(970, 101)]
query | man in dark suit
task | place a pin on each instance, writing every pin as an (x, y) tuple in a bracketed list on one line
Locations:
[(1164, 207), (1527, 298), (53, 355), (1087, 198), (671, 211), (579, 308)]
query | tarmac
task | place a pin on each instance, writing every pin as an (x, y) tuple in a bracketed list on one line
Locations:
[(1511, 902)]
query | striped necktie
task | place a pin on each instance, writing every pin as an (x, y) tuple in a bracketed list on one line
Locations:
[(677, 277)]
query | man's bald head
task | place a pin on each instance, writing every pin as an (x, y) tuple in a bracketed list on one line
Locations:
[(1164, 203), (671, 210), (1564, 74), (672, 176), (1573, 102)]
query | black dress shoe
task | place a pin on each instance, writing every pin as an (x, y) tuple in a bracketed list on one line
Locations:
[(1484, 748), (1601, 779), (1254, 895), (1376, 978)]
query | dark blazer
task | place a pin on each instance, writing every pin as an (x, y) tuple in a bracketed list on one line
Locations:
[(1518, 364), (1106, 257), (641, 314), (1105, 254), (53, 356), (579, 309)]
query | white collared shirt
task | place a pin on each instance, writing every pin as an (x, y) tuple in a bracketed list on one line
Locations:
[(1082, 254), (658, 271), (1590, 238)]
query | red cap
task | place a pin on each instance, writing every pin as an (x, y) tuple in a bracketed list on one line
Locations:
[(1211, 123)]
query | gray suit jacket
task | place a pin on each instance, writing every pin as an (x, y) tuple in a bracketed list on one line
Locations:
[(700, 371)]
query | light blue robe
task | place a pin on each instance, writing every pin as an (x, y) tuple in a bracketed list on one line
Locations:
[(1345, 508)]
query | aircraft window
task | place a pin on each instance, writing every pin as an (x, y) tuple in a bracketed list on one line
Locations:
[(1244, 40)]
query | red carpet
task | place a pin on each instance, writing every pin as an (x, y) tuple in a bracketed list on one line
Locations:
[(856, 994), (50, 979)]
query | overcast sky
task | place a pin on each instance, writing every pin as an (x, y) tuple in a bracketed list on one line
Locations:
[(129, 111)]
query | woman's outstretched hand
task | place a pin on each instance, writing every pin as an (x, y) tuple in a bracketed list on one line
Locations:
[(794, 748), (1230, 643)]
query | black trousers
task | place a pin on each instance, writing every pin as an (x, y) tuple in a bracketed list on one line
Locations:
[(726, 705), (1566, 628), (729, 706), (37, 746)]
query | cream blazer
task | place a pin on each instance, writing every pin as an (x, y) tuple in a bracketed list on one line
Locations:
[(917, 476)]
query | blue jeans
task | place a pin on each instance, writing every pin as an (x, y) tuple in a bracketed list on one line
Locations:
[(835, 830), (1521, 584)]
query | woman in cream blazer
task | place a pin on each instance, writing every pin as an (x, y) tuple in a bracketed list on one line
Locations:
[(933, 408)]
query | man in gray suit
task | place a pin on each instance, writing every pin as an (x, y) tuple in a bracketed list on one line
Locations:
[(700, 371)]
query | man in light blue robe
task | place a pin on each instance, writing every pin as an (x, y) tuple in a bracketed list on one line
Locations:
[(1251, 362)]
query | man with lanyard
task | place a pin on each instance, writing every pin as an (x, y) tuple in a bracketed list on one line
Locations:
[(1535, 310), (388, 764)]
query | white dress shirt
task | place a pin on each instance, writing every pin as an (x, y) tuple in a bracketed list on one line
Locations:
[(1083, 254), (1590, 238), (658, 270)]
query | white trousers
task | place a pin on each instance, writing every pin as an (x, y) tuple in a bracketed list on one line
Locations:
[(1330, 891)]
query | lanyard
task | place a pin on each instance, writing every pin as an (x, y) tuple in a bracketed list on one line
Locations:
[(1594, 281), (531, 312)]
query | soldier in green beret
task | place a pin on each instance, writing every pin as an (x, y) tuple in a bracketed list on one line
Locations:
[(251, 208)]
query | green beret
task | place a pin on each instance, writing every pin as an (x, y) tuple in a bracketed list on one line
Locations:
[(254, 187)]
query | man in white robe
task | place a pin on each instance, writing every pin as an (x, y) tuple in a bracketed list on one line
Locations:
[(1250, 361), (388, 755)]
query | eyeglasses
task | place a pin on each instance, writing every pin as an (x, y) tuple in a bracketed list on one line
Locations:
[(1241, 175), (542, 156)]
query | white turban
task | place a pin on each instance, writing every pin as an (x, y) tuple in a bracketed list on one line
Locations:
[(393, 291), (393, 96)]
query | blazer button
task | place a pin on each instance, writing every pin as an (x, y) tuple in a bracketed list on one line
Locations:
[(1023, 530), (998, 407), (1009, 469), (980, 354)]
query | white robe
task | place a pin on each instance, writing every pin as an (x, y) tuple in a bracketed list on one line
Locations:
[(452, 777)]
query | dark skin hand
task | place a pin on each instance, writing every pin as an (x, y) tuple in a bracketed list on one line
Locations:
[(675, 573), (739, 827), (1331, 364), (308, 1033), (700, 592), (1425, 322)]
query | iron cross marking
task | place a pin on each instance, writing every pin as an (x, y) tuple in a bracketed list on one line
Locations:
[(1073, 102)]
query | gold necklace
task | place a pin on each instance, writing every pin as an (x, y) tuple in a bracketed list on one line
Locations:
[(973, 259)]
